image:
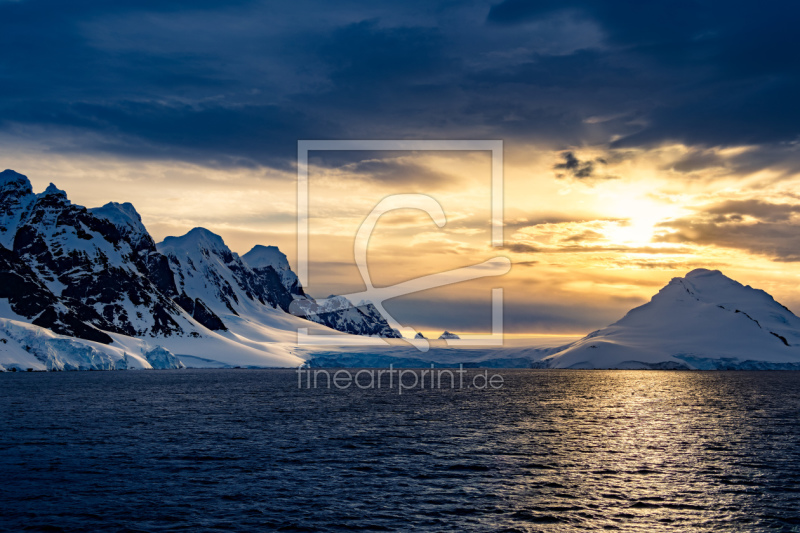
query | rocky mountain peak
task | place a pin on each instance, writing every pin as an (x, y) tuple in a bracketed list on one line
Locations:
[(16, 197), (54, 192), (204, 267), (14, 181), (123, 216), (128, 222), (263, 257), (196, 238)]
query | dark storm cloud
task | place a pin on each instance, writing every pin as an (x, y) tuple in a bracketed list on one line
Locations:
[(241, 82), (244, 135), (782, 159), (756, 226), (733, 67), (764, 211), (579, 169), (367, 53)]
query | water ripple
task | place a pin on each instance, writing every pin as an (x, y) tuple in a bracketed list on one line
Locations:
[(226, 450)]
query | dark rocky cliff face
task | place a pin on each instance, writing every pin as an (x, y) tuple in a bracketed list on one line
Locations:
[(270, 283), (338, 313), (204, 267), (92, 262), (98, 273), (77, 271), (30, 298), (198, 310), (272, 266)]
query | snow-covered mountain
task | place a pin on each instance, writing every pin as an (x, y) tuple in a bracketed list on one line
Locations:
[(263, 259), (704, 320), (77, 279), (336, 312), (83, 260), (89, 288), (205, 268), (339, 313)]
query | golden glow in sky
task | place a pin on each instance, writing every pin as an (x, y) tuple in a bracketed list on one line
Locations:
[(591, 234)]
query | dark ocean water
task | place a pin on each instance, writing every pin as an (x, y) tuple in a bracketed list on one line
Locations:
[(246, 450)]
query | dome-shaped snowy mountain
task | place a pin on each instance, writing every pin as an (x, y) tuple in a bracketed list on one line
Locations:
[(703, 320)]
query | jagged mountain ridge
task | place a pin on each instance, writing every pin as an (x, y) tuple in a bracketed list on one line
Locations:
[(128, 222), (86, 262), (205, 268), (339, 313), (703, 320), (88, 273), (74, 282), (336, 312)]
